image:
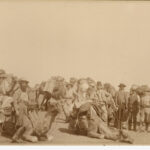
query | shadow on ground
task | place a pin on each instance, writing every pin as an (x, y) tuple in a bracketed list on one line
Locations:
[(64, 130)]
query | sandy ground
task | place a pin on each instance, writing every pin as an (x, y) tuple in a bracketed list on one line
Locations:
[(63, 137)]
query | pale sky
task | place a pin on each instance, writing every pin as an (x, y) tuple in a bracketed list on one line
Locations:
[(108, 41)]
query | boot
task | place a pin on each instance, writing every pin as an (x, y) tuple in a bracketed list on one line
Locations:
[(148, 129), (146, 126), (124, 137), (142, 127)]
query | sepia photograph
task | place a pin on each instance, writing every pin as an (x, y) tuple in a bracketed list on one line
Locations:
[(74, 73)]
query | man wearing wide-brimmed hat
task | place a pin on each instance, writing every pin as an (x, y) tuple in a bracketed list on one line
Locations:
[(21, 94), (133, 108), (21, 100), (102, 100), (121, 101), (145, 109)]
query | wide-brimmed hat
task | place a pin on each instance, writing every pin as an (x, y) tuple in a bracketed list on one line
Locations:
[(2, 73), (141, 89), (89, 79), (15, 78), (72, 79), (92, 84), (23, 80), (3, 76), (122, 85), (134, 87), (100, 85), (147, 89)]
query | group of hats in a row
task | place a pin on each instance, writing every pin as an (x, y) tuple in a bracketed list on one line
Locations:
[(3, 74)]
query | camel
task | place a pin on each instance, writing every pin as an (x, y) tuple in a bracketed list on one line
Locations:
[(87, 120)]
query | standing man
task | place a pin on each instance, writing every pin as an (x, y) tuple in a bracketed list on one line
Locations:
[(133, 108), (121, 101), (102, 100), (145, 107), (21, 94)]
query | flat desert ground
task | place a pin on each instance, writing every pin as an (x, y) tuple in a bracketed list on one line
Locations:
[(63, 137)]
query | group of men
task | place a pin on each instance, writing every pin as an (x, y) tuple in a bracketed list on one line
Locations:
[(14, 105), (123, 109), (133, 108)]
